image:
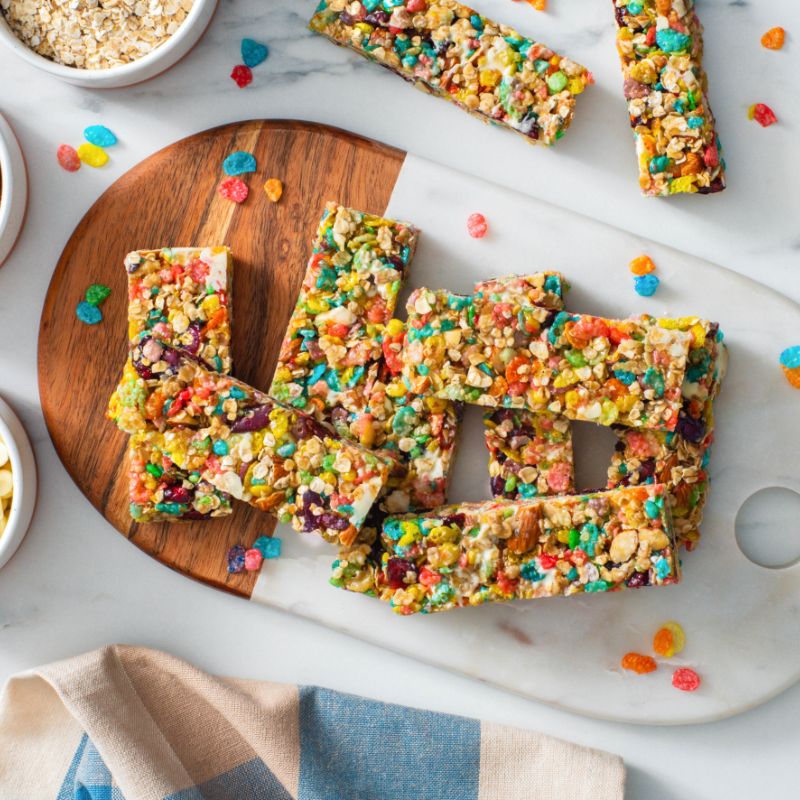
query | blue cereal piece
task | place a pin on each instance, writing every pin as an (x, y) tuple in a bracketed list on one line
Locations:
[(253, 52), (239, 162), (268, 546), (671, 41), (646, 285), (100, 135), (89, 313), (790, 357), (236, 559)]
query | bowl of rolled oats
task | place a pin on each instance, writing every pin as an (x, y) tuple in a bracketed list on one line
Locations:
[(103, 44), (13, 189), (17, 482)]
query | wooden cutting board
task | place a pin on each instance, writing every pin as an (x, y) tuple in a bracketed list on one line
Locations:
[(171, 199)]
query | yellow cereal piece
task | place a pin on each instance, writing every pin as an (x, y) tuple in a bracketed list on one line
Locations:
[(274, 190), (92, 155), (678, 635), (684, 184), (394, 326)]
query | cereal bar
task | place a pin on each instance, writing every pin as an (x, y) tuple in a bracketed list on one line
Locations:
[(470, 349), (498, 551), (161, 492), (660, 44), (250, 446), (451, 51), (679, 460)]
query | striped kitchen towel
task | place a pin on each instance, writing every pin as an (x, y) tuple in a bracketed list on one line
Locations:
[(127, 722)]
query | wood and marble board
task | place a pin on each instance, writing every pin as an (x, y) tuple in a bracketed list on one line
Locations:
[(742, 620)]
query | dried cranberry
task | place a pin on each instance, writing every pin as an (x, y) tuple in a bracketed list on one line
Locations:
[(454, 519), (176, 494), (396, 571), (141, 370), (334, 521), (498, 485), (647, 469), (693, 430), (639, 579), (379, 17), (194, 345), (254, 419)]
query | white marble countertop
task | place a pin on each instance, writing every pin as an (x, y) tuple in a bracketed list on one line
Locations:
[(75, 584)]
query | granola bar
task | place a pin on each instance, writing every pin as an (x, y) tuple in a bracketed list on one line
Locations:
[(604, 371), (660, 44), (498, 551), (679, 460), (161, 492), (451, 51), (251, 447)]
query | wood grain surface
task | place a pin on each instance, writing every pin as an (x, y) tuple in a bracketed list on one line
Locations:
[(171, 199)]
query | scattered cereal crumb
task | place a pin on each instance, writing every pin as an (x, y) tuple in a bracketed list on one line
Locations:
[(97, 293), (477, 227), (253, 560), (642, 265), (92, 155), (253, 52), (762, 114), (88, 313), (100, 135), (274, 189), (236, 558), (233, 189), (68, 158), (239, 162), (268, 546), (646, 285), (669, 640), (773, 39), (242, 75), (638, 663), (790, 364), (685, 679)]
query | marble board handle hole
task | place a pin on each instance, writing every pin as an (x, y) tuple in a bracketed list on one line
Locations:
[(768, 527)]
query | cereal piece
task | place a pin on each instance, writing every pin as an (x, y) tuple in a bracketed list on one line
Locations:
[(638, 663), (773, 39), (253, 560), (88, 313), (274, 190), (790, 364), (660, 44), (477, 226), (68, 158), (642, 265), (646, 285), (233, 189), (677, 634), (242, 75), (239, 162), (471, 349), (92, 155), (251, 447), (268, 546), (236, 556), (664, 643), (453, 52), (762, 114), (685, 679), (497, 551), (253, 52), (97, 294), (100, 136)]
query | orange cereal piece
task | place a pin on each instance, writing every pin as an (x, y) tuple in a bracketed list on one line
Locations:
[(793, 376), (774, 38), (638, 663), (274, 189), (663, 643), (642, 265)]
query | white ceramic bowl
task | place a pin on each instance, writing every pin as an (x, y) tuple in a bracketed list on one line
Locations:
[(14, 197), (154, 63), (23, 469)]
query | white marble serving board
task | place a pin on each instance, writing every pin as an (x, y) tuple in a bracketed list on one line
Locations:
[(742, 620)]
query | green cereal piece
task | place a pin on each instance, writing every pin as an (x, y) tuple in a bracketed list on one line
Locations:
[(97, 293)]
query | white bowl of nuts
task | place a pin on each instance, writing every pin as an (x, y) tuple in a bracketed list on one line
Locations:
[(17, 482), (101, 44), (13, 189)]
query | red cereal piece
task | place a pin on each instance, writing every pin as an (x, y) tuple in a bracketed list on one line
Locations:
[(68, 158), (234, 189), (477, 227), (242, 75), (762, 114), (685, 679), (252, 559), (636, 662)]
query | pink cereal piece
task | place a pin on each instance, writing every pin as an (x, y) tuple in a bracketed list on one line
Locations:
[(477, 227), (558, 477), (68, 158), (685, 679), (252, 560), (639, 444), (233, 189)]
